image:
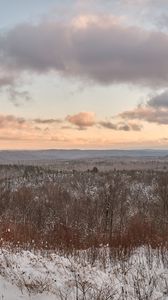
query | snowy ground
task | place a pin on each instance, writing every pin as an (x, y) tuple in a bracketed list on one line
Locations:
[(25, 275)]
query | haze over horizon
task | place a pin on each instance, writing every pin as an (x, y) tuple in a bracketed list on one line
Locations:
[(85, 74)]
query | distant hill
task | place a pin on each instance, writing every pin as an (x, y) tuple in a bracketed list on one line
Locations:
[(13, 156)]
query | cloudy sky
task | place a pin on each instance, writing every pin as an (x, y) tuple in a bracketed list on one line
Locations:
[(83, 74)]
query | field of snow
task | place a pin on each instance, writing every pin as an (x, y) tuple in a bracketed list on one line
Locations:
[(26, 275)]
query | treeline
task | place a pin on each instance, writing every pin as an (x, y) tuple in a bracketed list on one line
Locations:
[(80, 210)]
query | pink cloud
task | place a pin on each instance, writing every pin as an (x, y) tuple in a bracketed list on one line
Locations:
[(82, 120)]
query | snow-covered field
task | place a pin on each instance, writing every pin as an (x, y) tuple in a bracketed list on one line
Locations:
[(47, 276)]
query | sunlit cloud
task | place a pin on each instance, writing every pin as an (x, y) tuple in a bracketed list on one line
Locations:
[(121, 126), (82, 120), (155, 110)]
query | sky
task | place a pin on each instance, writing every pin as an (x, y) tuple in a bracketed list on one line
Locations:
[(87, 74)]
